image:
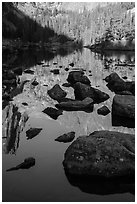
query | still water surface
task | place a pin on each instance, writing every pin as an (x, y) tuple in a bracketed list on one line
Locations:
[(46, 181)]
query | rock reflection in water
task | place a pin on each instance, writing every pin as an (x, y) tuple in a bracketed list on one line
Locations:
[(122, 121), (13, 124), (101, 186)]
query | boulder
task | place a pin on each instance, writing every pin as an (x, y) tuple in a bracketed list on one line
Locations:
[(71, 64), (52, 112), (87, 103), (82, 91), (103, 153), (103, 110), (35, 83), (56, 92), (55, 71), (32, 132), (67, 137), (66, 69), (124, 105), (77, 76), (117, 84)]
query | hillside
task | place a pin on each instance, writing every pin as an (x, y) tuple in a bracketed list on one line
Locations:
[(85, 22)]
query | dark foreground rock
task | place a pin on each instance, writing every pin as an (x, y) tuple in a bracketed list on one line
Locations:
[(52, 112), (77, 76), (117, 84), (83, 91), (103, 153), (87, 103), (32, 132), (67, 137), (28, 162), (56, 92), (103, 110), (124, 106)]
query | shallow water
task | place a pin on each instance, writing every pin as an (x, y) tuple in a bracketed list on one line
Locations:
[(46, 181)]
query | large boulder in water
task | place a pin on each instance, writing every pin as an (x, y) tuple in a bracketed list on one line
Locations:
[(124, 105), (86, 104), (83, 91), (103, 153), (56, 92), (77, 76), (117, 84)]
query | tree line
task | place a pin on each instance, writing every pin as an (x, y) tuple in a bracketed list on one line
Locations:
[(103, 23)]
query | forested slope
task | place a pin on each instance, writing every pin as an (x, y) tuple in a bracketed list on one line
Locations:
[(105, 24)]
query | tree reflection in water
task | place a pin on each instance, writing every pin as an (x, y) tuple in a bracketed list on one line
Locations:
[(13, 125)]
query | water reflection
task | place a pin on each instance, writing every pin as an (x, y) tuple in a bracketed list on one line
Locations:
[(49, 153), (101, 186), (122, 121), (13, 124)]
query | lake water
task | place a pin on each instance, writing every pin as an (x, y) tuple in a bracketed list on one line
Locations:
[(46, 181)]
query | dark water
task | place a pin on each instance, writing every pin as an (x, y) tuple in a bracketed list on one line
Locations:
[(47, 181)]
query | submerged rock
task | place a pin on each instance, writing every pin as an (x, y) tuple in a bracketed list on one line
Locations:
[(32, 132), (56, 92), (102, 153), (103, 110), (82, 91), (124, 105), (67, 137), (28, 162), (52, 112), (77, 76), (87, 103)]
